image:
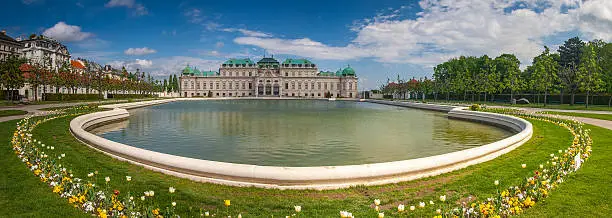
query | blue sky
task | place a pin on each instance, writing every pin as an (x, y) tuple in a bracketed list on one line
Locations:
[(380, 39)]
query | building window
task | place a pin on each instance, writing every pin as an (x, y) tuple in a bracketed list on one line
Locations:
[(237, 85), (243, 84), (286, 74), (286, 85), (217, 94), (242, 73), (230, 85), (192, 86), (224, 86), (230, 74), (325, 85), (249, 73), (217, 84), (250, 86), (204, 85), (350, 86), (319, 94)]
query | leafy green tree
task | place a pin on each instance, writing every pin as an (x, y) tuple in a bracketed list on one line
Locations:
[(175, 84), (510, 74), (11, 76), (589, 76), (545, 73)]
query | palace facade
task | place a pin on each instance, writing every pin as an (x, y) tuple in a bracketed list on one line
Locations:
[(269, 78)]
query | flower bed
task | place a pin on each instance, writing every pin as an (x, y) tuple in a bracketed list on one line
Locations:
[(102, 200)]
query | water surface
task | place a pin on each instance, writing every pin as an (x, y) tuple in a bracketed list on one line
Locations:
[(296, 132)]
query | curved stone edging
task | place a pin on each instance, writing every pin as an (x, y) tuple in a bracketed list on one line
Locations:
[(322, 177)]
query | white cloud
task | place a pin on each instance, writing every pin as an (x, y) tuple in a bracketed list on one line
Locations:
[(194, 15), (219, 45), (247, 32), (66, 33), (447, 28), (302, 47), (139, 51), (167, 65), (139, 9)]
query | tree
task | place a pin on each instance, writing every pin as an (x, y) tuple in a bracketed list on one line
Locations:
[(175, 84), (589, 77), (570, 52), (12, 77), (510, 74), (545, 73)]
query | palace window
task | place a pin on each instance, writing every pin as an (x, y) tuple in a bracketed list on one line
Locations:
[(292, 85), (350, 86), (319, 85), (230, 85), (306, 85), (204, 85), (325, 85), (286, 74), (242, 73), (197, 85), (230, 73), (192, 85), (250, 86), (224, 85), (237, 85), (312, 85), (299, 85), (286, 85), (211, 85), (243, 86), (249, 73), (217, 84)]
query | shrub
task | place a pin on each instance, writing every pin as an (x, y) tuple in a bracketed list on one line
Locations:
[(69, 97), (475, 107)]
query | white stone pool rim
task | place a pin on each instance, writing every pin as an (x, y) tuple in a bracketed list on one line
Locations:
[(316, 177)]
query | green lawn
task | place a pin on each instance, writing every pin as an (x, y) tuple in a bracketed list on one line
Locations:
[(6, 113), (587, 192), (533, 105), (594, 116)]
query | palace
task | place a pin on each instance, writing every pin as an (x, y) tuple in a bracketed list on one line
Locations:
[(269, 78)]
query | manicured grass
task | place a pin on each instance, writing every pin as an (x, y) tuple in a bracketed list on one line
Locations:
[(533, 105), (6, 113), (588, 192), (97, 103), (25, 195), (587, 115)]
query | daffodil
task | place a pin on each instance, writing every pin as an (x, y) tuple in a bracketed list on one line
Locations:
[(227, 203)]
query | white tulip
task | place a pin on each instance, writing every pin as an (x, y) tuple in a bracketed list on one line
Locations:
[(297, 208), (107, 179), (171, 189), (400, 208), (377, 201), (496, 182), (422, 204), (443, 198), (174, 204), (381, 215), (412, 207)]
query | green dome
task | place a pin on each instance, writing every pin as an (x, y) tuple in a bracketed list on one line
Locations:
[(187, 71), (339, 72), (348, 71)]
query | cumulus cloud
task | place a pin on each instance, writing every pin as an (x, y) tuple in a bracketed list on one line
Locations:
[(66, 33), (138, 8), (167, 65), (139, 51), (446, 28)]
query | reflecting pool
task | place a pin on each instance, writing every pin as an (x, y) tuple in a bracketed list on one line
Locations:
[(296, 132)]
